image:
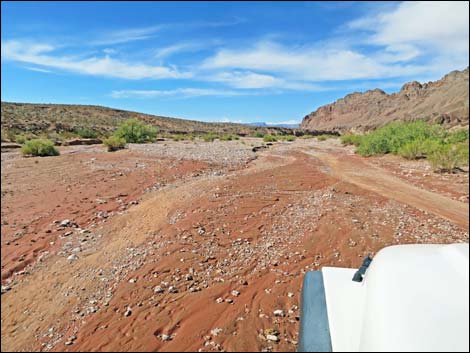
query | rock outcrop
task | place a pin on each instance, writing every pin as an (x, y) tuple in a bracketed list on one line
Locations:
[(444, 101)]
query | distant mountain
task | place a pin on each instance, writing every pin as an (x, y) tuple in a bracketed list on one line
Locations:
[(287, 126), (444, 101)]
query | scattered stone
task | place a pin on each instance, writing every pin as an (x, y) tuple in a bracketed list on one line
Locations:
[(72, 258), (279, 313), (272, 338), (166, 338), (158, 290), (128, 311), (219, 300), (65, 223), (290, 294), (216, 331), (172, 289)]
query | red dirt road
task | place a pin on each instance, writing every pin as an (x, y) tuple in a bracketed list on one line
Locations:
[(202, 263)]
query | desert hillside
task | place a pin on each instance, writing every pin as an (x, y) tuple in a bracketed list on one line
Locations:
[(444, 101), (64, 117)]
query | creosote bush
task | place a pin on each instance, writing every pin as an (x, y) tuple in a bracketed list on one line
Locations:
[(114, 143), (135, 131), (39, 147)]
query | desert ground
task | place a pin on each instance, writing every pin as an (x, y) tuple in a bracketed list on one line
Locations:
[(192, 246)]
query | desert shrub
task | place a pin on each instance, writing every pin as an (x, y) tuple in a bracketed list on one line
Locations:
[(457, 136), (114, 143), (351, 139), (258, 134), (229, 137), (325, 137), (135, 131), (269, 138), (307, 136), (391, 137), (20, 139), (84, 132), (39, 147), (447, 158), (289, 138), (210, 137), (412, 150), (178, 137), (4, 136)]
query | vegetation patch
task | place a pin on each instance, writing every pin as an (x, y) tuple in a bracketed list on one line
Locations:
[(269, 138), (209, 137), (325, 137), (445, 150), (39, 147), (229, 137), (114, 143), (135, 131)]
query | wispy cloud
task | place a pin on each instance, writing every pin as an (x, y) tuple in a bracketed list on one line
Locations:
[(184, 47), (37, 69), (178, 93), (97, 66), (126, 35)]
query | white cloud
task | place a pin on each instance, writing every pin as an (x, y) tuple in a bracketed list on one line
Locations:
[(443, 24), (179, 93), (182, 48), (126, 35), (37, 69), (438, 32), (97, 66), (306, 64)]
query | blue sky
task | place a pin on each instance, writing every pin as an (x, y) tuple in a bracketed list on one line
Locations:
[(224, 61)]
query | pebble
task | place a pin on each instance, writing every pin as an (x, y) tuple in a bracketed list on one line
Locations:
[(216, 331), (272, 338), (72, 258), (158, 290), (165, 338)]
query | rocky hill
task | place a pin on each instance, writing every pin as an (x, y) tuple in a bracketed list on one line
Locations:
[(26, 117), (444, 101)]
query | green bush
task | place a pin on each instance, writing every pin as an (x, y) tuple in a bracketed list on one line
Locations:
[(114, 143), (289, 138), (447, 158), (135, 131), (84, 132), (307, 136), (391, 137), (39, 147), (351, 139), (229, 137), (457, 136), (20, 139), (412, 150), (324, 137), (210, 137), (178, 137), (259, 134), (269, 138)]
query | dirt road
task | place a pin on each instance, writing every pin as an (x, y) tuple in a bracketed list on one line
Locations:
[(201, 261)]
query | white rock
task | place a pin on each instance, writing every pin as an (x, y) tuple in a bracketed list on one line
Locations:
[(279, 313), (272, 338)]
